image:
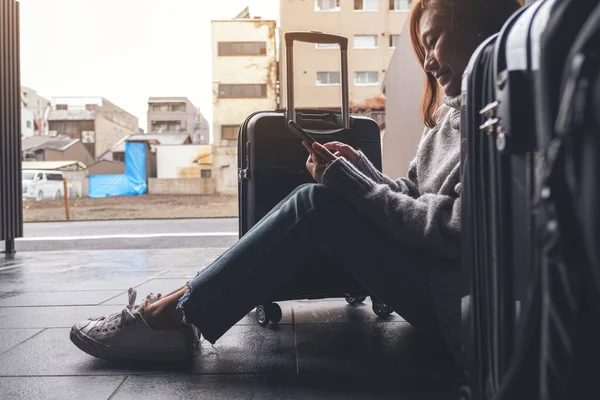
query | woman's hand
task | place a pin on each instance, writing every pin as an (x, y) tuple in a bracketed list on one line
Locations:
[(343, 150), (318, 160)]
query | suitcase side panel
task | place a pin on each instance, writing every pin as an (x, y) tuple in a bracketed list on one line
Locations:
[(275, 159)]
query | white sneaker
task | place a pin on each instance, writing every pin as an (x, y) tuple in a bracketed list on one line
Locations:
[(126, 336)]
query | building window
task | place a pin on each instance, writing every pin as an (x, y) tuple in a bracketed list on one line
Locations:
[(242, 48), (400, 5), (365, 5), (394, 40), (328, 78), (321, 46), (365, 41), (366, 78), (176, 107), (205, 173), (229, 132), (62, 106), (165, 126), (242, 91), (327, 5), (119, 156)]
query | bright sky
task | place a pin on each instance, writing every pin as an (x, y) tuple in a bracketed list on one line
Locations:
[(125, 50)]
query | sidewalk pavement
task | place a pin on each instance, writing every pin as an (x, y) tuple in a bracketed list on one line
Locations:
[(321, 349)]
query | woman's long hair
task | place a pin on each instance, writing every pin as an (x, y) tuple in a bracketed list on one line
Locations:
[(487, 16)]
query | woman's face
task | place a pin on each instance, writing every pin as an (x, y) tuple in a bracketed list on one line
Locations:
[(447, 49)]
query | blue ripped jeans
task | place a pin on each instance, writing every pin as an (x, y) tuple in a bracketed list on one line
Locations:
[(312, 218)]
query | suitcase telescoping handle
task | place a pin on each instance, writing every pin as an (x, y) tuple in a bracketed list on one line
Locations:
[(316, 37)]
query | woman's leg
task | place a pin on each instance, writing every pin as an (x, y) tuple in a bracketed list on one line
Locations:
[(164, 313), (312, 221)]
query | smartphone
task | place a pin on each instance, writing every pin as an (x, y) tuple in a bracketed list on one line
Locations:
[(300, 133)]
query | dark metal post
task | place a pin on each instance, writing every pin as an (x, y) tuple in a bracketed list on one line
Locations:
[(9, 247), (11, 201)]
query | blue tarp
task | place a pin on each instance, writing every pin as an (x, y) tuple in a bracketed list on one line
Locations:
[(133, 183)]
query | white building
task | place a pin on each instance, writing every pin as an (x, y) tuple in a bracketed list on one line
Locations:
[(35, 110), (244, 81), (27, 122)]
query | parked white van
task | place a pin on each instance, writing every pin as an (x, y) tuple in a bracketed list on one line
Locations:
[(39, 185)]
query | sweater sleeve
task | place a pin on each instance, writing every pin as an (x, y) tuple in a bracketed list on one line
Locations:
[(430, 222), (408, 186)]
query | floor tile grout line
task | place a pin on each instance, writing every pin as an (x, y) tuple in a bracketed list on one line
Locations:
[(140, 375), (295, 339), (118, 388), (26, 340)]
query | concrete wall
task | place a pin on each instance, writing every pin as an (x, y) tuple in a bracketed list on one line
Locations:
[(107, 168), (195, 186), (27, 123), (225, 169), (404, 125), (39, 106), (77, 182), (301, 16), (174, 161), (111, 125), (242, 70)]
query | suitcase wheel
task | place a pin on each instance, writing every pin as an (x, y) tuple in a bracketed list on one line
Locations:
[(355, 300), (380, 308), (266, 313)]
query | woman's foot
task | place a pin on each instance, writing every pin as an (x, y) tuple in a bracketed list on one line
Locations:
[(127, 335)]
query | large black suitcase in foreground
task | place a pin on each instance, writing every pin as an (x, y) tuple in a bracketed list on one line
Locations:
[(271, 164), (532, 329)]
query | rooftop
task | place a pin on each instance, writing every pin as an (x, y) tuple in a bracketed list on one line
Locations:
[(54, 143), (54, 165), (158, 138), (168, 100)]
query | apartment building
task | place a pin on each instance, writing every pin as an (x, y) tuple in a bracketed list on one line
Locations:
[(244, 81), (177, 114), (99, 123), (34, 113), (373, 28)]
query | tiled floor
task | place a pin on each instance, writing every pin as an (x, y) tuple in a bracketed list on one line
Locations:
[(321, 349)]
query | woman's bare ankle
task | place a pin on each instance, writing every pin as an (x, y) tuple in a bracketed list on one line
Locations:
[(163, 318)]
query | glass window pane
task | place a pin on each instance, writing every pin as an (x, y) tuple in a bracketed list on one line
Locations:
[(327, 5), (400, 5), (370, 5), (328, 78), (365, 41), (366, 78)]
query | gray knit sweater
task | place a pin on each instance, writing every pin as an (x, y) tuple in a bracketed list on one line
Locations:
[(421, 211)]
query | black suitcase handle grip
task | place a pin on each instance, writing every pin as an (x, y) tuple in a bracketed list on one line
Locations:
[(315, 37)]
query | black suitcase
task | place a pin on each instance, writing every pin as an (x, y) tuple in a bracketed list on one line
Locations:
[(571, 256), (499, 207), (271, 163), (526, 307)]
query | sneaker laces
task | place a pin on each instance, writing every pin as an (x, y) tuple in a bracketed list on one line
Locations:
[(126, 315)]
